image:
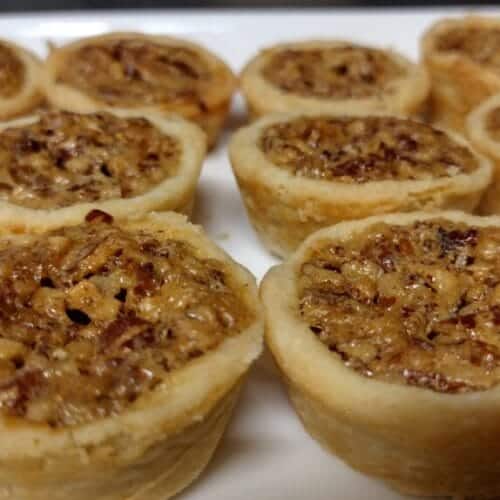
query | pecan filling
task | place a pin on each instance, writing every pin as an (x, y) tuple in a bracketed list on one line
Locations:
[(493, 124), (417, 305), (94, 316), (332, 73), (11, 72), (66, 158), (359, 150), (135, 72), (479, 44)]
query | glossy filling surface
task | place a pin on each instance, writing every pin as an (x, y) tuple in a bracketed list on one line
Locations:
[(94, 316), (416, 305), (332, 73), (359, 150), (135, 72), (11, 72), (67, 158), (481, 44)]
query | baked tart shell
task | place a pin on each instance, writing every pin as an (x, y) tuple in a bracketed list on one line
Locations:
[(284, 209), (458, 84), (30, 94), (160, 443), (406, 97), (476, 128), (176, 192), (210, 117), (418, 441)]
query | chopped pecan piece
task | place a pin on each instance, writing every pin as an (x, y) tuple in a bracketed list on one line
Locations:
[(99, 216)]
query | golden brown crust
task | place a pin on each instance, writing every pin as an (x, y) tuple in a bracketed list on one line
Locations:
[(419, 441), (24, 92), (172, 192), (285, 208), (164, 439), (482, 129), (403, 90), (459, 82), (149, 72)]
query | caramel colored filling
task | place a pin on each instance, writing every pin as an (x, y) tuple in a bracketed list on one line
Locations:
[(66, 158), (416, 305), (332, 73), (359, 150), (493, 124), (11, 72), (94, 316), (132, 72), (482, 45)]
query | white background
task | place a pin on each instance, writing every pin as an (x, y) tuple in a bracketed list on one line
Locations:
[(266, 454)]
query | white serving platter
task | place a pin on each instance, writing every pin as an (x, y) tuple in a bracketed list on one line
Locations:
[(266, 454)]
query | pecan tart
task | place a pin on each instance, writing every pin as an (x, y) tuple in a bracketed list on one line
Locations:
[(387, 333), (463, 62), (483, 130), (133, 70), (58, 165), (332, 76), (300, 172), (123, 347), (20, 75)]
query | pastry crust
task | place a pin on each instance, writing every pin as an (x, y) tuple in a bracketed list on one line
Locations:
[(458, 82), (207, 105), (163, 440), (285, 208), (419, 441), (405, 94), (175, 192), (28, 95), (477, 130)]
